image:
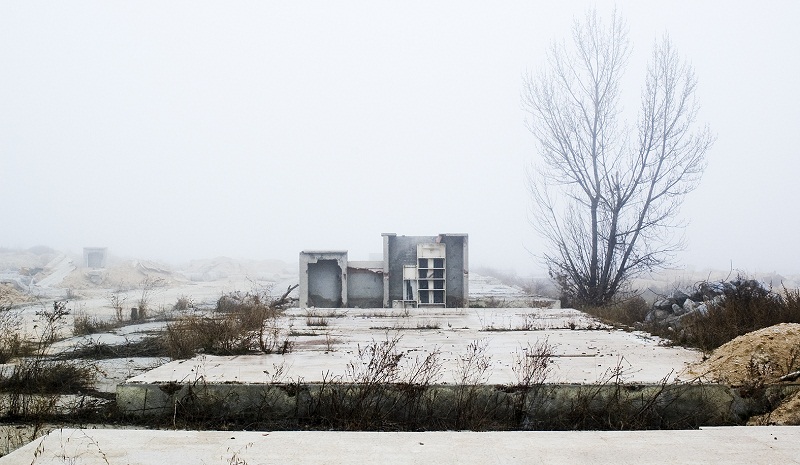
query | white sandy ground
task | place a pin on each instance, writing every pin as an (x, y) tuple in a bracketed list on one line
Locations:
[(726, 445), (580, 356), (96, 302)]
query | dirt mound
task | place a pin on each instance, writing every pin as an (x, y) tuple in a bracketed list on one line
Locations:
[(33, 259), (768, 353), (10, 296), (223, 268), (126, 275)]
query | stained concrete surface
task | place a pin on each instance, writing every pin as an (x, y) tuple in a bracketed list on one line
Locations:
[(726, 445), (579, 356)]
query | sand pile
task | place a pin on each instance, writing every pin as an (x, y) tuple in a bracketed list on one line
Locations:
[(769, 352), (126, 275), (225, 268), (32, 259), (9, 296), (760, 356)]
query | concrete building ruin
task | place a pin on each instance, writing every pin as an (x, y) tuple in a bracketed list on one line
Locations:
[(95, 257), (415, 271)]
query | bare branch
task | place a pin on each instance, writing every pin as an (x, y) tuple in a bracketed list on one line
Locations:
[(620, 190)]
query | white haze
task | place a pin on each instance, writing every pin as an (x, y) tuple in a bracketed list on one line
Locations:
[(177, 130)]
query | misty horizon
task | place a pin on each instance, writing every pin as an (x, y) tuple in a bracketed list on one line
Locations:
[(185, 131)]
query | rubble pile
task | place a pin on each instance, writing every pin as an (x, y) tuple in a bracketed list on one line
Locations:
[(674, 309)]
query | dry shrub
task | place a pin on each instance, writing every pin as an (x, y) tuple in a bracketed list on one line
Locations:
[(151, 346), (627, 312), (41, 376), (11, 344), (316, 321), (33, 387), (83, 324), (532, 364), (221, 335), (183, 303), (613, 404), (240, 323), (382, 389)]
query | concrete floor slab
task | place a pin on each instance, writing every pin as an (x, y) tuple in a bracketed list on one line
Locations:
[(727, 445), (581, 355)]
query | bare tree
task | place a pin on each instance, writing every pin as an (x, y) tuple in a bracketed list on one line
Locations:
[(605, 196)]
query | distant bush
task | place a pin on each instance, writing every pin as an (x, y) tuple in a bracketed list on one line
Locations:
[(627, 312), (221, 335), (240, 323), (183, 303), (83, 324)]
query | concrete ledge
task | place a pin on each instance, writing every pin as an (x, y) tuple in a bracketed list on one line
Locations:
[(549, 406)]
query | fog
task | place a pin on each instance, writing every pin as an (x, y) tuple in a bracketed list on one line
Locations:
[(179, 130)]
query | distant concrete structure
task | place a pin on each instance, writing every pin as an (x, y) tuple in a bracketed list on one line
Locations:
[(415, 271), (95, 257), (323, 279)]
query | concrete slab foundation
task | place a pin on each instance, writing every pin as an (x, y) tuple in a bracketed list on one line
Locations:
[(580, 355), (601, 369), (730, 446)]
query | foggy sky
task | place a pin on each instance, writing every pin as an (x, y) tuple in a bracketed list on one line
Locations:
[(179, 130)]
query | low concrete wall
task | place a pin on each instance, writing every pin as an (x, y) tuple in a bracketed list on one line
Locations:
[(364, 287), (549, 406)]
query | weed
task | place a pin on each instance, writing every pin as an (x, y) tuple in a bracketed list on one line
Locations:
[(296, 333), (83, 324), (37, 375), (33, 388), (316, 321), (50, 325), (428, 324), (11, 344), (377, 390), (241, 323), (117, 300), (532, 367), (627, 312), (532, 364), (472, 371), (183, 303), (330, 341), (94, 350)]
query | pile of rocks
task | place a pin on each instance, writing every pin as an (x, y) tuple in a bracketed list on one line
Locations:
[(675, 308)]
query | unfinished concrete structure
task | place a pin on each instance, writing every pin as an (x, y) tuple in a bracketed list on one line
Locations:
[(416, 271), (94, 257)]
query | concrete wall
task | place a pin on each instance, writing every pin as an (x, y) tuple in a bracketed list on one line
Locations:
[(457, 264), (399, 251), (402, 250), (511, 407), (323, 279), (365, 284)]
